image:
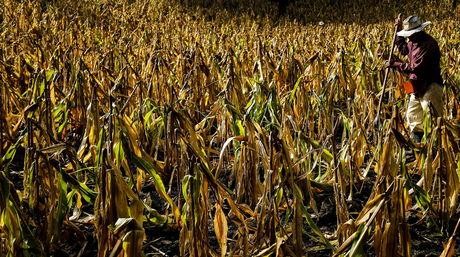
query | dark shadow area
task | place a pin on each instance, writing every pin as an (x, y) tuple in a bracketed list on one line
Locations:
[(328, 11)]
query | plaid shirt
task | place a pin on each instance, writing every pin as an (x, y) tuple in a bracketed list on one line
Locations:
[(424, 57)]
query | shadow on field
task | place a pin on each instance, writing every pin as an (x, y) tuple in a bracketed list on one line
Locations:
[(330, 11)]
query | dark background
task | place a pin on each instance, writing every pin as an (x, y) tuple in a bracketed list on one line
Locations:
[(337, 11)]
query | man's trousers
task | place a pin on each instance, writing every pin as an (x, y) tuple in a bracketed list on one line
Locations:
[(418, 107)]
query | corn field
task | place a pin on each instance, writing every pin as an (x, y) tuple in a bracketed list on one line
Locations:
[(223, 127)]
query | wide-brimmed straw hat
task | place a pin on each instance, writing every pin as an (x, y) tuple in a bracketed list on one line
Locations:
[(412, 25)]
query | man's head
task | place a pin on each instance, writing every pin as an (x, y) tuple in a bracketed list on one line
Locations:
[(412, 25)]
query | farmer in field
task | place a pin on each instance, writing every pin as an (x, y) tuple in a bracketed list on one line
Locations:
[(424, 72)]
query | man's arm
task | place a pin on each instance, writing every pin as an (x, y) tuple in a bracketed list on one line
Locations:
[(419, 64), (402, 46)]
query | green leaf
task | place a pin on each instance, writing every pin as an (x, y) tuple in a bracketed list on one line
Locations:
[(357, 248), (150, 168)]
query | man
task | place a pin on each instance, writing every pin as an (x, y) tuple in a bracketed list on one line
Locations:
[(424, 72)]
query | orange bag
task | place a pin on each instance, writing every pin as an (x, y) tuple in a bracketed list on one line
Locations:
[(408, 87)]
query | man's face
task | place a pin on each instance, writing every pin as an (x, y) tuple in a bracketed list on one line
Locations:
[(411, 37)]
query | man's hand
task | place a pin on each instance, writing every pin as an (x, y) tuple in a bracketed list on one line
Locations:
[(398, 23), (393, 63)]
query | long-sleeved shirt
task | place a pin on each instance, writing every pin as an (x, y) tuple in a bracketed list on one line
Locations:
[(424, 57)]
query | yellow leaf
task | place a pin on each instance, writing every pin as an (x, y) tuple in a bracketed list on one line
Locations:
[(132, 134), (221, 229), (79, 202), (449, 249), (369, 208)]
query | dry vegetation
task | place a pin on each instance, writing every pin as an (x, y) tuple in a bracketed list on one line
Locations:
[(227, 125)]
